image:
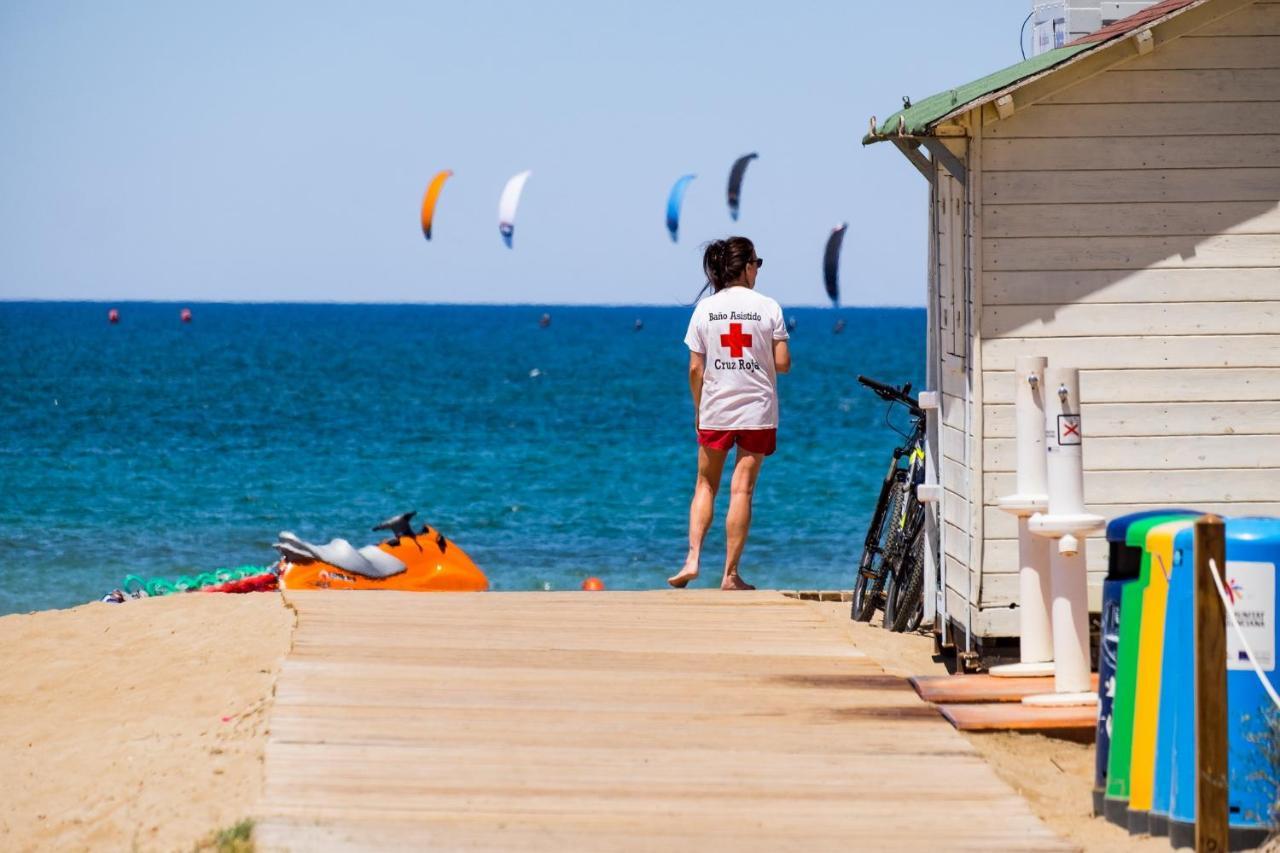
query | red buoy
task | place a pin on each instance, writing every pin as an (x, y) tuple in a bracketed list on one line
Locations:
[(593, 584), (185, 315), (113, 316)]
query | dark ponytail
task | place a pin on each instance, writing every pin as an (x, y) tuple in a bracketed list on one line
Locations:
[(724, 261)]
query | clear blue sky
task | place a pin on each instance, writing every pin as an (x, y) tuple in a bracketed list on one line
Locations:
[(279, 151)]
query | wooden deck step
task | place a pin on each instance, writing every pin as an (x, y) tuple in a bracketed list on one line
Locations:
[(1016, 717), (960, 689)]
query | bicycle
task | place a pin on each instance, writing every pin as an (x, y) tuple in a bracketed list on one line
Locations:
[(891, 571)]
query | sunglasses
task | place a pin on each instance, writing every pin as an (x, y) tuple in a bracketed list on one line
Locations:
[(759, 262)]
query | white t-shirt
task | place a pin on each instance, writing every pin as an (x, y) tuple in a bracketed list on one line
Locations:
[(735, 329)]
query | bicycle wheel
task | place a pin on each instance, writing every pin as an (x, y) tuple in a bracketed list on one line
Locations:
[(903, 597), (917, 612), (868, 587)]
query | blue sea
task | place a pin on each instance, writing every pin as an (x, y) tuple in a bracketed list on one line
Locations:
[(552, 454)]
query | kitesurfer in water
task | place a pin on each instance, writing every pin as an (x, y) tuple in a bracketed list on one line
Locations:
[(737, 343)]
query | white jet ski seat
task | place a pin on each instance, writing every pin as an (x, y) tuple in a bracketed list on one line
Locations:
[(370, 561)]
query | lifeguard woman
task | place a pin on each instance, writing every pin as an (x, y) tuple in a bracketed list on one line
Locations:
[(737, 343)]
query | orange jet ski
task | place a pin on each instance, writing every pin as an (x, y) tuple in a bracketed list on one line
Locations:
[(417, 562)]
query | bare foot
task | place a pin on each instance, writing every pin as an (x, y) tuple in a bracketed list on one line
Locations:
[(734, 582), (681, 579)]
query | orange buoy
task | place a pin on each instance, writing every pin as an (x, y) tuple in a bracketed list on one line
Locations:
[(185, 315), (113, 316), (593, 584)]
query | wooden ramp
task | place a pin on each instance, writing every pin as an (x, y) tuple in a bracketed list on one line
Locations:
[(980, 688), (600, 721), (1016, 717)]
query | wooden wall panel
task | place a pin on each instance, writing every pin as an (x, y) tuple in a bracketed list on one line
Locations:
[(1155, 453), (1127, 186), (1129, 219), (1073, 287), (1253, 417), (1102, 320), (1157, 386)]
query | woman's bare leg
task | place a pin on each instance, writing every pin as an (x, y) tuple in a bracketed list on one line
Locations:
[(701, 510), (738, 521)]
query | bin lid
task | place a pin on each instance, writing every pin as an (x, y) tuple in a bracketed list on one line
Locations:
[(1118, 527), (1251, 528)]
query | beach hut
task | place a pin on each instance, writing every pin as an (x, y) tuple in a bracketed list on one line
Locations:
[(1114, 205)]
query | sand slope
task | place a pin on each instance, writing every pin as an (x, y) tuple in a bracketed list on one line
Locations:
[(139, 725)]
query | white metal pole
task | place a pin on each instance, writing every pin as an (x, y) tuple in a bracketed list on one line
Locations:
[(1069, 524), (1034, 591)]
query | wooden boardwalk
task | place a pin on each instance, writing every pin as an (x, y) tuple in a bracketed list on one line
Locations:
[(600, 721)]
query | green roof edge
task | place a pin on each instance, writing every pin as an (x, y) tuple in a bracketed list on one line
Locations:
[(916, 118)]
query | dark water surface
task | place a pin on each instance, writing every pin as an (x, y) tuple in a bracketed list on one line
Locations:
[(158, 448)]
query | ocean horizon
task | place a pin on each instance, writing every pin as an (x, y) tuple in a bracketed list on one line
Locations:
[(158, 448)]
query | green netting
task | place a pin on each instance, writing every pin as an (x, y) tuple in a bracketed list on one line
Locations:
[(134, 584)]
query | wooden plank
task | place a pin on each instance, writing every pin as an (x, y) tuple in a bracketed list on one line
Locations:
[(999, 524), (955, 379), (543, 721), (1058, 287), (955, 509), (1259, 19), (1132, 253), (957, 583), (953, 411), (952, 473), (1255, 417), (955, 542), (911, 150), (1000, 566), (1171, 487), (1128, 152), (1116, 186), (1101, 320), (990, 623), (1142, 86), (1146, 219), (968, 689), (1196, 51), (1156, 386), (944, 156), (1089, 120), (953, 443), (1157, 453), (1088, 353), (1016, 717)]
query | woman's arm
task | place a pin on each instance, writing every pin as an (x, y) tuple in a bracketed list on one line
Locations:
[(781, 357), (697, 368)]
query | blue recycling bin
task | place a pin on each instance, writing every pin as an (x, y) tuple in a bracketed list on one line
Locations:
[(1124, 564), (1253, 552), (1177, 696)]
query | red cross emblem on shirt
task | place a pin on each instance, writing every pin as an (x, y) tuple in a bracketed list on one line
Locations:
[(735, 340)]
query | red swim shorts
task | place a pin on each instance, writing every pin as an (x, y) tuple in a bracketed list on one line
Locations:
[(752, 440)]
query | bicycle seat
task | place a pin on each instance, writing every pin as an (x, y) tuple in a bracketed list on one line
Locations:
[(369, 561)]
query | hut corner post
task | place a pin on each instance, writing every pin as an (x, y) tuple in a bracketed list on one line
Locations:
[(1211, 688)]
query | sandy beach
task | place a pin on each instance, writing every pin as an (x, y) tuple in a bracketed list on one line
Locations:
[(143, 726), (136, 726)]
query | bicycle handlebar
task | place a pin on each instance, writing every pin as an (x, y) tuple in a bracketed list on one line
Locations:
[(893, 395)]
